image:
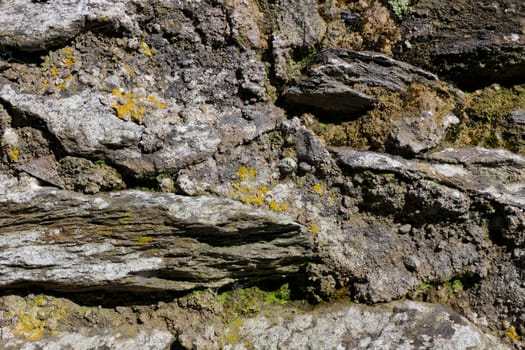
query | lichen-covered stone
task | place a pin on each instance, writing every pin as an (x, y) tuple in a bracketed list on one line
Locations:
[(403, 325)]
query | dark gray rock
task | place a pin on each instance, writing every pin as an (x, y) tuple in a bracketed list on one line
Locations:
[(415, 135), (472, 43), (336, 81), (309, 148), (502, 184)]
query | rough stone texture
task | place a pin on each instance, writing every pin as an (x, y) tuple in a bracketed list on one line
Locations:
[(147, 340), (141, 240), (38, 25), (227, 108), (403, 325), (471, 43), (415, 135), (337, 80), (501, 184)]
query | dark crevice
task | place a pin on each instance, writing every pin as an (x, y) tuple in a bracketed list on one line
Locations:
[(110, 298), (497, 226), (13, 55)]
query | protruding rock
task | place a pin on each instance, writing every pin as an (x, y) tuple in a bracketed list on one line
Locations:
[(403, 325), (45, 169), (141, 241), (339, 81), (471, 43), (38, 25)]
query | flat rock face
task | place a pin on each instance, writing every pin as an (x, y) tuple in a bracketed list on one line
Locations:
[(83, 340), (469, 42), (403, 325), (38, 25), (141, 240)]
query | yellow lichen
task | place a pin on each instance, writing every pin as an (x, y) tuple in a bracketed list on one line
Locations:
[(13, 154), (144, 48), (512, 334), (69, 59), (128, 106), (156, 102), (53, 71), (143, 240), (318, 188), (314, 229), (38, 316)]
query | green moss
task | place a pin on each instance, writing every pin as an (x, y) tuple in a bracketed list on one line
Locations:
[(400, 7), (485, 119), (371, 130), (248, 301)]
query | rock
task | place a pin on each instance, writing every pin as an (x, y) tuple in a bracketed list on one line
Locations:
[(441, 204), (473, 44), (501, 184), (38, 25), (83, 175), (45, 169), (295, 28), (517, 119), (287, 165), (336, 81), (141, 240), (310, 149), (86, 339), (418, 134), (401, 325), (81, 123)]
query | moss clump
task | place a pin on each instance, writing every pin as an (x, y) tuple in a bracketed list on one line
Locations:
[(400, 7), (371, 130), (360, 25), (485, 120), (249, 301)]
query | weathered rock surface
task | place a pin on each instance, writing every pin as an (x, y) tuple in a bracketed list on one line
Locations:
[(472, 43), (187, 97), (38, 25), (141, 240), (338, 81), (85, 339), (403, 325), (481, 171)]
